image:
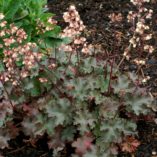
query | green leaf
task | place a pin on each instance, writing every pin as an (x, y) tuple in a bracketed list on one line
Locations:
[(138, 103), (112, 129), (85, 121), (53, 33), (19, 63), (53, 42), (58, 111), (2, 67), (13, 8), (68, 133), (102, 83), (121, 84), (32, 86), (21, 15)]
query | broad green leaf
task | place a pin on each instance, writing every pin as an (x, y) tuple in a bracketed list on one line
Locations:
[(13, 8), (138, 103)]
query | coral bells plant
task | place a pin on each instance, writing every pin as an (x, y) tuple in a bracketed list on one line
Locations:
[(140, 44), (66, 93), (141, 31), (139, 2), (15, 50), (73, 31)]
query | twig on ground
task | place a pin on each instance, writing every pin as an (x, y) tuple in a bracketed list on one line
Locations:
[(16, 150)]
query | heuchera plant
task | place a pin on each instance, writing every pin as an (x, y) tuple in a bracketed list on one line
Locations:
[(141, 35), (73, 97)]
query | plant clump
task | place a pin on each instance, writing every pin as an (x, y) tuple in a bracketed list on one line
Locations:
[(65, 91)]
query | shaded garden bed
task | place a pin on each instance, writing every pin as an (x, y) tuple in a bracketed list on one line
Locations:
[(102, 34)]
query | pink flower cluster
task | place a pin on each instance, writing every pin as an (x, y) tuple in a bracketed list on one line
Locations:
[(139, 2), (76, 25), (16, 50), (115, 17), (142, 32), (73, 31), (47, 26), (22, 53)]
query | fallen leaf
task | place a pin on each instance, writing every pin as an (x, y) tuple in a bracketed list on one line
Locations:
[(130, 144)]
